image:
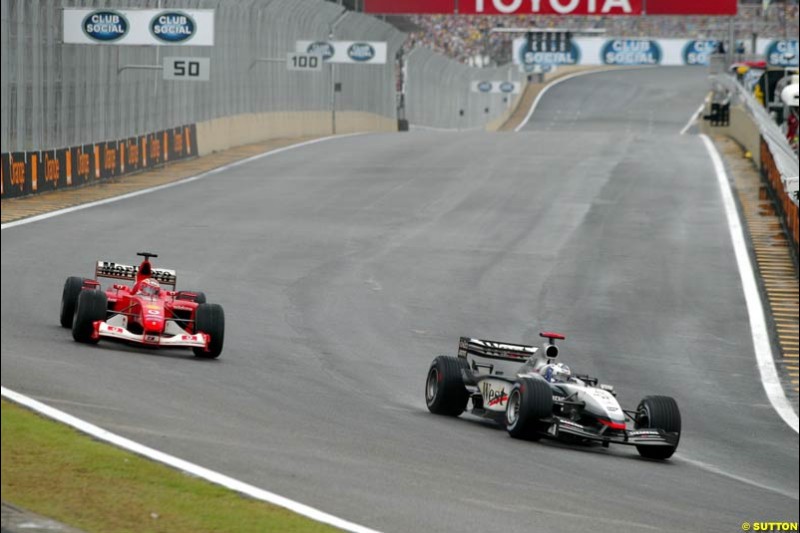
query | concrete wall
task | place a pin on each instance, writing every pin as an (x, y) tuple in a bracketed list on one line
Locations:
[(742, 129), (227, 132)]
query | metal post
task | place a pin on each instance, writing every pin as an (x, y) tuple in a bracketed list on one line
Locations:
[(731, 41), (158, 61), (333, 99), (331, 36)]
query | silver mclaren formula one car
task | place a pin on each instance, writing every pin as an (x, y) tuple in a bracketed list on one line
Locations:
[(534, 396)]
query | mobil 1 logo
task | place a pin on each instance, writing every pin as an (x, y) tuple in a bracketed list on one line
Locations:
[(187, 68)]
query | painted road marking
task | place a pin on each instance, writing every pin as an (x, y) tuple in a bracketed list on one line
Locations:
[(755, 308), (180, 464)]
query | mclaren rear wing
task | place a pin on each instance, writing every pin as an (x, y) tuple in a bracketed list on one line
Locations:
[(495, 350), (107, 269)]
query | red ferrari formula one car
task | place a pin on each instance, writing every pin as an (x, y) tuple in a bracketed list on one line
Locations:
[(144, 313)]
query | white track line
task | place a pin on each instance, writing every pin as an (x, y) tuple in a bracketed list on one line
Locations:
[(693, 118), (180, 464), (172, 184), (755, 309), (716, 470)]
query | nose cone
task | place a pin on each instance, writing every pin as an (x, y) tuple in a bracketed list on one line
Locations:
[(154, 325), (153, 319)]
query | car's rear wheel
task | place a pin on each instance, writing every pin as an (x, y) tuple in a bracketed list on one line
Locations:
[(91, 306), (658, 412), (210, 319), (445, 393), (69, 299), (529, 402)]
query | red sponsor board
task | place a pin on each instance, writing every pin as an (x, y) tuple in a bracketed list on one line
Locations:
[(550, 7), (691, 7), (420, 7)]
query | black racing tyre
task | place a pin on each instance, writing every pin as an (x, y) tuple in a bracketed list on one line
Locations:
[(658, 412), (529, 401), (69, 299), (210, 319), (445, 393), (91, 306)]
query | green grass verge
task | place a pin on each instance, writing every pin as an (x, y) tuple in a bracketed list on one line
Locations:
[(53, 470)]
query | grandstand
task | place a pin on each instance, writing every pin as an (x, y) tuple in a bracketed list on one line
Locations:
[(468, 39)]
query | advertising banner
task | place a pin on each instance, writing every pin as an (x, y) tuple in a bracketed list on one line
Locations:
[(692, 7), (644, 51), (781, 53), (524, 55), (157, 27), (26, 173), (550, 7), (16, 177), (496, 87), (353, 52), (53, 165)]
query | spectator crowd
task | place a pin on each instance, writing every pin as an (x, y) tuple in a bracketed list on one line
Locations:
[(468, 38)]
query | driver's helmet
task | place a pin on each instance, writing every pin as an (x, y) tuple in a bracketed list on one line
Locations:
[(557, 373), (150, 287)]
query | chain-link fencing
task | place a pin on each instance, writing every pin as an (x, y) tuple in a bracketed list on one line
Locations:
[(56, 94)]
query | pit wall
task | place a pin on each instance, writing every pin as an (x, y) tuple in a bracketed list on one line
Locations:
[(227, 132), (742, 129)]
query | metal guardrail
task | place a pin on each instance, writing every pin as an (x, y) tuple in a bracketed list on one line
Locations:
[(785, 157)]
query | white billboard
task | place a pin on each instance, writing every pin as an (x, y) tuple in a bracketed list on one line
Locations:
[(159, 27), (353, 52), (645, 51)]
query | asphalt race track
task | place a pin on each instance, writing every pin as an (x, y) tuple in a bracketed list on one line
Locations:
[(344, 267)]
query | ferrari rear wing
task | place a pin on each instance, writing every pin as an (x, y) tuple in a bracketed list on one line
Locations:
[(495, 350), (107, 269)]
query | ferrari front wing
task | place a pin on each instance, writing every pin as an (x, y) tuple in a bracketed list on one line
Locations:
[(179, 340)]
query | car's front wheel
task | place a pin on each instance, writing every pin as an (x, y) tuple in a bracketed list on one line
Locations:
[(445, 393), (658, 412), (210, 319), (530, 401), (91, 306)]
